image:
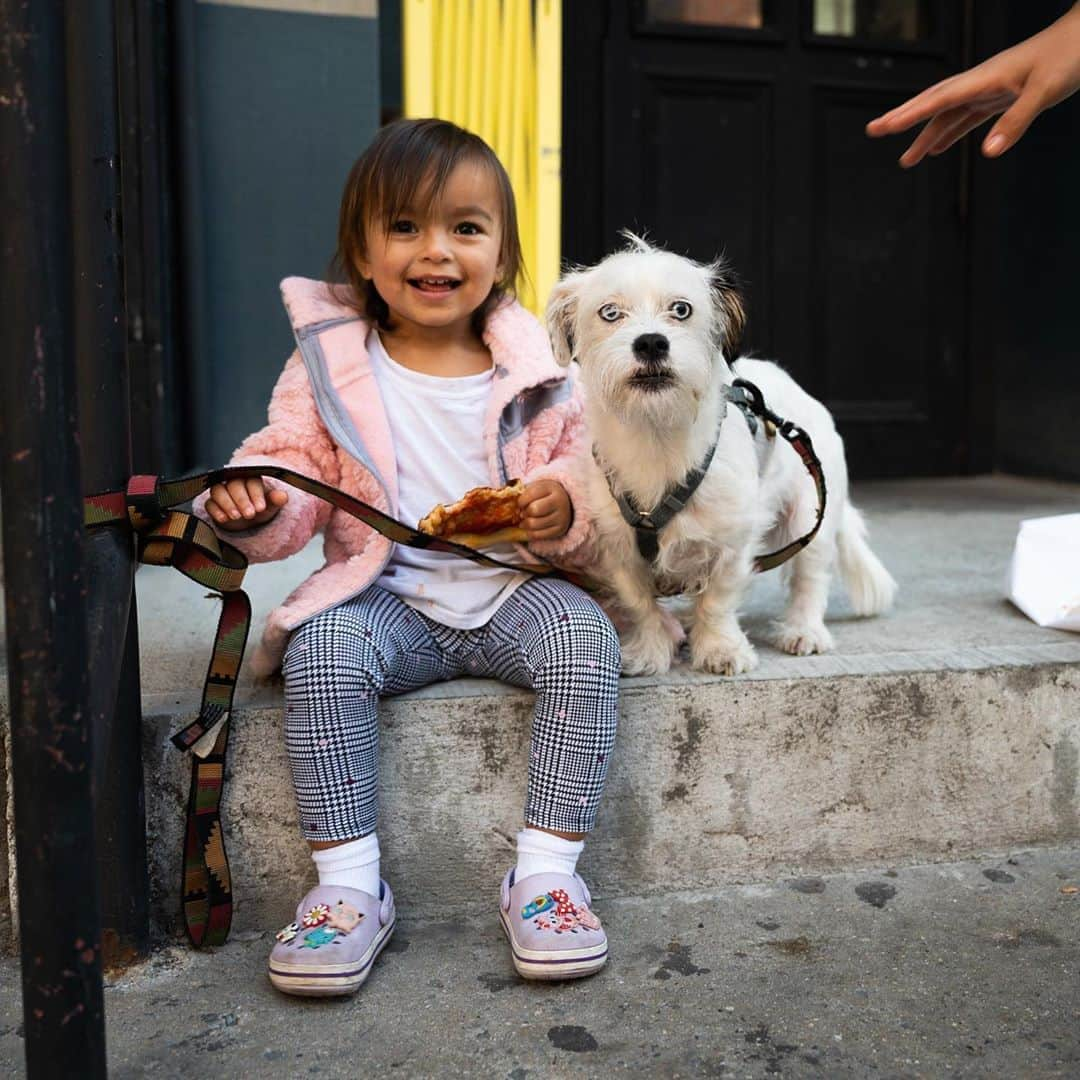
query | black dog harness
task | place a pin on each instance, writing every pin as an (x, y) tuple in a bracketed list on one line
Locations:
[(749, 400)]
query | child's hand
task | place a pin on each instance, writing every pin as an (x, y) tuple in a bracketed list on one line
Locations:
[(546, 511), (239, 504)]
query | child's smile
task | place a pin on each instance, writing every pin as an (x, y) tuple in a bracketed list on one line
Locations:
[(435, 285), (434, 266)]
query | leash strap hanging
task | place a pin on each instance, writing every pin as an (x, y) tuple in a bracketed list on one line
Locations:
[(169, 537), (747, 397)]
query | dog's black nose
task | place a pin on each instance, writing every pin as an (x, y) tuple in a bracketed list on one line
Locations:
[(650, 347)]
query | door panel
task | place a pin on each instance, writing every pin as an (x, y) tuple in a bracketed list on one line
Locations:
[(682, 120), (870, 241)]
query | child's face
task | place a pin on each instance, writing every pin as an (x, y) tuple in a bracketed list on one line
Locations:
[(435, 268)]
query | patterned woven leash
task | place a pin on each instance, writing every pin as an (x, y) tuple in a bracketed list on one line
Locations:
[(169, 537)]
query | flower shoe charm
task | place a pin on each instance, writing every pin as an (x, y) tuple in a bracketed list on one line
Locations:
[(287, 933), (316, 916)]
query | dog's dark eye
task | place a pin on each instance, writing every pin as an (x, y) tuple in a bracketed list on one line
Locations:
[(610, 313), (681, 310)]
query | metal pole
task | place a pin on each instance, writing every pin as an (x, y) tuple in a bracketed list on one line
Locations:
[(43, 559), (100, 343)]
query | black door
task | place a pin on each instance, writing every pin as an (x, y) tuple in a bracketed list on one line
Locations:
[(736, 126)]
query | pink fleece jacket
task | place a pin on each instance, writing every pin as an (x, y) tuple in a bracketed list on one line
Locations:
[(326, 420)]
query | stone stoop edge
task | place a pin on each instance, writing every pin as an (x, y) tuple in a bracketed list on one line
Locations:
[(713, 782), (716, 783)]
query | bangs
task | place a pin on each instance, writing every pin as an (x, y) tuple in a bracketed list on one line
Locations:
[(414, 178)]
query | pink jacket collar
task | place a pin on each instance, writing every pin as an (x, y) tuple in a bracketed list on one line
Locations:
[(519, 344)]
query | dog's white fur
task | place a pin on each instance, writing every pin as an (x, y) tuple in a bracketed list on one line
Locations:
[(756, 495)]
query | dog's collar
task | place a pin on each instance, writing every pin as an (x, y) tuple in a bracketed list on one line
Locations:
[(648, 523)]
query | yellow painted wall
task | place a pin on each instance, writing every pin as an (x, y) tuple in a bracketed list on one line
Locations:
[(495, 67)]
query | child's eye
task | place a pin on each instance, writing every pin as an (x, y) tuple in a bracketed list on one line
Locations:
[(469, 228), (403, 226)]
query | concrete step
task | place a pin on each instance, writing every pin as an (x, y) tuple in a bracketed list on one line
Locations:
[(946, 727)]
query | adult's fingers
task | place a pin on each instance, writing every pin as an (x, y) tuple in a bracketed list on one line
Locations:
[(960, 129), (947, 94), (1015, 121), (930, 135)]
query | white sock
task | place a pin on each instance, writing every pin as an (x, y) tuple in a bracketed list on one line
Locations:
[(354, 865), (541, 852)]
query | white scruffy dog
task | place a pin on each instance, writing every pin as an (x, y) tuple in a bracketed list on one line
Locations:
[(650, 331)]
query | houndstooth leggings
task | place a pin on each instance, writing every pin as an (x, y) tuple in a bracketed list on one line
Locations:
[(547, 635)]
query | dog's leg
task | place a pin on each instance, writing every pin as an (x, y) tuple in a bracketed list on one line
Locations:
[(717, 642), (802, 629), (647, 647)]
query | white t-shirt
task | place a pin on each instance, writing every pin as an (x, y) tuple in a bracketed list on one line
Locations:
[(437, 426)]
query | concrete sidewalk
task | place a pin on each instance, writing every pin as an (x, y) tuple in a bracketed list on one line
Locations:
[(966, 969)]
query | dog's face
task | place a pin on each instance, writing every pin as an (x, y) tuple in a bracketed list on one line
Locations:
[(650, 330)]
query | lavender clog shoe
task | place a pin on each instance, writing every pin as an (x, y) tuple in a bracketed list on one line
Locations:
[(331, 946), (552, 932)]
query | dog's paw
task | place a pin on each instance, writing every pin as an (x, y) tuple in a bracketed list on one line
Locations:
[(723, 655), (645, 653), (803, 638)]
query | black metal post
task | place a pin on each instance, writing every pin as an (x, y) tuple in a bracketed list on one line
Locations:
[(43, 558), (100, 343)]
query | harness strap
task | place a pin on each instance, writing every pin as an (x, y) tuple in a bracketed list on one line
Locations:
[(648, 523), (168, 537), (750, 401)]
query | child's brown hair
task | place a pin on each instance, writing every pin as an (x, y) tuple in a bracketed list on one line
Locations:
[(405, 158)]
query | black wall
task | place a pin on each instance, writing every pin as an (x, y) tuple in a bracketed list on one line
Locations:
[(1037, 315)]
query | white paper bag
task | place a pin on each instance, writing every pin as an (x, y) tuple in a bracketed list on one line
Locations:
[(1044, 577)]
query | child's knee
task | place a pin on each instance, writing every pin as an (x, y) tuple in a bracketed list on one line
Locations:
[(582, 638), (337, 651)]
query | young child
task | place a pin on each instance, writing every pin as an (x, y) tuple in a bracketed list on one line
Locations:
[(419, 379)]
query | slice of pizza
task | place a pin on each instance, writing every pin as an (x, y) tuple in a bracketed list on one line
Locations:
[(481, 517)]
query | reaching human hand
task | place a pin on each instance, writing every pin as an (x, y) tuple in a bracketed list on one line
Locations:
[(239, 504), (1019, 83)]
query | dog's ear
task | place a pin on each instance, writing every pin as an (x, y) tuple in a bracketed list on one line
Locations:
[(560, 315), (731, 313)]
